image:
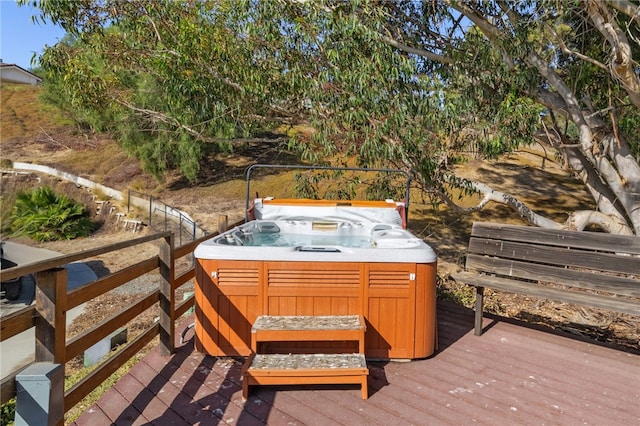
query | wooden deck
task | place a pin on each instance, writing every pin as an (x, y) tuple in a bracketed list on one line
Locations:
[(513, 374)]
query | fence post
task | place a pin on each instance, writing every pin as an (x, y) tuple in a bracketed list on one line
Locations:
[(50, 351), (222, 223), (51, 321), (167, 299), (150, 208)]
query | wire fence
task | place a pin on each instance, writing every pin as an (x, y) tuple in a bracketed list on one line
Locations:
[(163, 217)]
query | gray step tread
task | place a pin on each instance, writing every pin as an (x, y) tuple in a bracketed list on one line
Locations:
[(307, 362), (311, 323)]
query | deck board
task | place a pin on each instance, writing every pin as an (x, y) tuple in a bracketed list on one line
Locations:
[(512, 374)]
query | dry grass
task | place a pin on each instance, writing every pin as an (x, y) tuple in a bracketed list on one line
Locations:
[(23, 115)]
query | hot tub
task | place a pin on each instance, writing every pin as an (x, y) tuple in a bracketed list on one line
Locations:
[(301, 257)]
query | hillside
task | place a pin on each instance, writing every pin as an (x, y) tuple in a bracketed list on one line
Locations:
[(31, 133)]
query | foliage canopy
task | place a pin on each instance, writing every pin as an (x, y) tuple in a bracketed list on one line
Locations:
[(406, 84)]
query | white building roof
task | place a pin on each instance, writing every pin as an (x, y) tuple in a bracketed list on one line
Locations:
[(12, 73)]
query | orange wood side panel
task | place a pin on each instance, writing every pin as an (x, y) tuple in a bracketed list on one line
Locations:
[(205, 330), (305, 288), (397, 301), (390, 310), (229, 303), (426, 332)]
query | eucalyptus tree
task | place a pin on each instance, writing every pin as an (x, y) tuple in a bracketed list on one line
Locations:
[(169, 79), (391, 83)]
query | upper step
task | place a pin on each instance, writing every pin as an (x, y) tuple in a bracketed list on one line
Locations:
[(311, 323)]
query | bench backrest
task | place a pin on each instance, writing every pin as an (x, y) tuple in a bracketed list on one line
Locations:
[(591, 260)]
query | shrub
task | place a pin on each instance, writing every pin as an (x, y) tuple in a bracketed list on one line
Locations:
[(8, 412), (43, 215)]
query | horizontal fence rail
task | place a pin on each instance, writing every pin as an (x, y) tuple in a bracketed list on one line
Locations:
[(164, 217), (48, 315)]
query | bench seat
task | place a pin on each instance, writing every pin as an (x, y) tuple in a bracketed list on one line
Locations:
[(587, 268)]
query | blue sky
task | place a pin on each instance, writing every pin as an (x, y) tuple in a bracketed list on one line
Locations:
[(20, 37)]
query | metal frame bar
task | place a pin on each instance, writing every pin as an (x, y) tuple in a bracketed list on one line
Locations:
[(303, 167)]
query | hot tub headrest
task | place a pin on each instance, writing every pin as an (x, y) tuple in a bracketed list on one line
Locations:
[(387, 211)]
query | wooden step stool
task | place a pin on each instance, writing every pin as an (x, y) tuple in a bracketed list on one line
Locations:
[(303, 369)]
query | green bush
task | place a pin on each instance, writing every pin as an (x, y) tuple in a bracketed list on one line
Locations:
[(8, 412), (43, 215)]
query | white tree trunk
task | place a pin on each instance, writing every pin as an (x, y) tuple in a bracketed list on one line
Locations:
[(578, 220), (622, 66), (602, 159), (492, 195)]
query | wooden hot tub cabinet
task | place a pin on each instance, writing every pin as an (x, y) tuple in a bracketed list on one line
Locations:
[(397, 300)]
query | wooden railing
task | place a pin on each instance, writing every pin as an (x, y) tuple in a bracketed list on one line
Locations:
[(48, 315)]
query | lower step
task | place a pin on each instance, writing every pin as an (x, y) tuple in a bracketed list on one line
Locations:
[(307, 361), (304, 369)]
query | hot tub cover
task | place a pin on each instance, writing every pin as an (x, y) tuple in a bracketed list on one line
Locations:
[(388, 211)]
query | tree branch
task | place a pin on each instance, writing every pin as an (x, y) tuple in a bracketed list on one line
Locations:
[(579, 220), (626, 7), (420, 52), (491, 31), (158, 116), (516, 205), (568, 51), (588, 174), (622, 66)]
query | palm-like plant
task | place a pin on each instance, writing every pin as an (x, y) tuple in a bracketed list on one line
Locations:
[(46, 216)]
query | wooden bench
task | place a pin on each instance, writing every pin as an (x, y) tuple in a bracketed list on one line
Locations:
[(587, 268), (306, 368)]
